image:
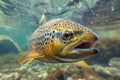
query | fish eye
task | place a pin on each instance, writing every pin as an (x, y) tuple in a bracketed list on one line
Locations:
[(67, 34)]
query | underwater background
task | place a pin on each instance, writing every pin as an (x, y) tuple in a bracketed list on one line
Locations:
[(19, 18)]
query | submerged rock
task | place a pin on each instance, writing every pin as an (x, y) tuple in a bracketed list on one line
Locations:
[(7, 45), (8, 61), (61, 72), (115, 62), (108, 72)]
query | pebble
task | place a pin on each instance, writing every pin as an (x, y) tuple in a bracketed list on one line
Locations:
[(69, 78)]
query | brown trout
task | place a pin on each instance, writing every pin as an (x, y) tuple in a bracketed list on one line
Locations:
[(60, 41)]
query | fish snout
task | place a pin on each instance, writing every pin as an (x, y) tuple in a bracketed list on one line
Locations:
[(91, 36)]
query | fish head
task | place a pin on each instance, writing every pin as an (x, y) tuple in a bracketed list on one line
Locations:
[(64, 39), (73, 36)]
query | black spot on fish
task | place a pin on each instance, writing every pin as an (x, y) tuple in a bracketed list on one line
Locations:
[(52, 36), (55, 24), (45, 39), (47, 33), (51, 41), (85, 29), (45, 43), (53, 31)]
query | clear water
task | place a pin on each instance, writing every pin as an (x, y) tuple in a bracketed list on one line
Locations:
[(19, 18)]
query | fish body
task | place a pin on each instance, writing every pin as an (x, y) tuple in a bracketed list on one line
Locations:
[(60, 41)]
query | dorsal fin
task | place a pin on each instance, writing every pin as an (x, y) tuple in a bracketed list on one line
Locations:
[(43, 20)]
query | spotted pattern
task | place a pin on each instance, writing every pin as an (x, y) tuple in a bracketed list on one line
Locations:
[(46, 33)]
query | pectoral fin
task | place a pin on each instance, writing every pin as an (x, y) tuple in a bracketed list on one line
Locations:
[(28, 57), (81, 63)]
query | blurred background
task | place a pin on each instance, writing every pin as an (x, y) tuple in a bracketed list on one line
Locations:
[(19, 18)]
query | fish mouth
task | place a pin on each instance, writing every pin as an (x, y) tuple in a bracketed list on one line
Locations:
[(80, 52), (85, 45)]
